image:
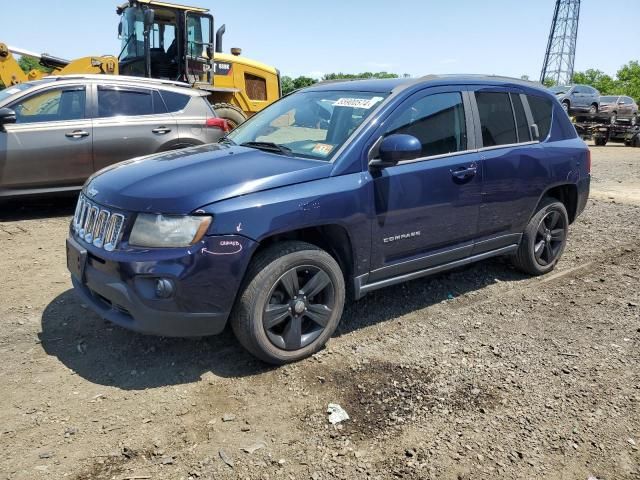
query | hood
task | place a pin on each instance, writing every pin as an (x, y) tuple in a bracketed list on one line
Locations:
[(180, 181)]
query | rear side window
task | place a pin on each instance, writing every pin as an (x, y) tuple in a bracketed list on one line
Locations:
[(437, 121), (541, 111), (114, 102), (175, 101), (496, 119), (522, 125)]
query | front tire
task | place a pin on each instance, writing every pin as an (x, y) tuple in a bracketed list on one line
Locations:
[(291, 304), (232, 114), (544, 239)]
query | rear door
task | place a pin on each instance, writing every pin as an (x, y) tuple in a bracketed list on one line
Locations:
[(50, 143), (514, 166), (129, 122), (426, 210)]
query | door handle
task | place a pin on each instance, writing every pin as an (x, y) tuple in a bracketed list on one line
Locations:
[(77, 134), (161, 130), (464, 173)]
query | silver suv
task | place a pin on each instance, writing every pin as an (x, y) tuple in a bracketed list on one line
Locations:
[(55, 132)]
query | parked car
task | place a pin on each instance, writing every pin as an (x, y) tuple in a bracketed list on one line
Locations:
[(576, 99), (272, 226), (618, 107), (56, 132)]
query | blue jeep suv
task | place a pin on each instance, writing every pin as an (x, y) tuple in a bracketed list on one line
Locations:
[(341, 187)]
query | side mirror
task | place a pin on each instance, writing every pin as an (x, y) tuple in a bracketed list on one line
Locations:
[(396, 148), (149, 17), (7, 116)]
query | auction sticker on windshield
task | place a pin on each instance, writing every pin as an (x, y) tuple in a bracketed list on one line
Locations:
[(357, 102), (323, 149)]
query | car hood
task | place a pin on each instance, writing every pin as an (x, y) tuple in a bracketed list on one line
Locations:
[(180, 181)]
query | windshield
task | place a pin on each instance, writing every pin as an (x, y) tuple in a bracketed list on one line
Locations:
[(8, 92), (557, 90), (310, 124), (608, 99)]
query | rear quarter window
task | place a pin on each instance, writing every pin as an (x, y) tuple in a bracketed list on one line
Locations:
[(175, 101), (541, 109)]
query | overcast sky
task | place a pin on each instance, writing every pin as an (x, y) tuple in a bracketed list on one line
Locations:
[(504, 37)]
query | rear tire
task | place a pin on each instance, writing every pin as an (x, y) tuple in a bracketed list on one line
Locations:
[(614, 118), (634, 120), (566, 107), (544, 238), (600, 142), (291, 302), (232, 114), (593, 109)]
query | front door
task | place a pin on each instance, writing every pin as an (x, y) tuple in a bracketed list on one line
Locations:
[(50, 143), (130, 122), (426, 210)]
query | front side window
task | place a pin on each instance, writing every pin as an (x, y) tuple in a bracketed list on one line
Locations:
[(309, 124), (541, 109), (52, 106), (437, 120), (496, 119), (113, 102)]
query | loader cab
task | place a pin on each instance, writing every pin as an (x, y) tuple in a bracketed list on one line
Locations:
[(167, 41)]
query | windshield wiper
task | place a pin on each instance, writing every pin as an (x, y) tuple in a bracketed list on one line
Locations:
[(226, 140), (268, 147)]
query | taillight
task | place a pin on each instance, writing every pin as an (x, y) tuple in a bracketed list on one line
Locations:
[(220, 123), (588, 161)]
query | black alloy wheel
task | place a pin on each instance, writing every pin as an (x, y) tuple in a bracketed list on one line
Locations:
[(550, 238), (300, 305)]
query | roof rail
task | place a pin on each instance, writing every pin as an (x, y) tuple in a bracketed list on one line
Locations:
[(117, 78)]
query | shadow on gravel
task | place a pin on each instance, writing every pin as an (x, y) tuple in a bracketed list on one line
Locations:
[(392, 302), (109, 355), (37, 207)]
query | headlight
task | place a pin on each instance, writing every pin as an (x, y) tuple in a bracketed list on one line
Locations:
[(168, 230)]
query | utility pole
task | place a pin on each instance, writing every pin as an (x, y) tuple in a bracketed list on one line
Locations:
[(561, 46)]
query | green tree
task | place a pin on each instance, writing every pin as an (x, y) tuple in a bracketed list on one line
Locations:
[(549, 82), (286, 83), (353, 76), (597, 79), (629, 80)]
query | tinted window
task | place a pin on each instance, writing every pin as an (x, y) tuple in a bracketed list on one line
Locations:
[(496, 119), (175, 101), (628, 101), (158, 103), (437, 121), (521, 119), (114, 102), (51, 106), (541, 111)]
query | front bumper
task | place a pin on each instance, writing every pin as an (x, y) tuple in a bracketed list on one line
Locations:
[(119, 285)]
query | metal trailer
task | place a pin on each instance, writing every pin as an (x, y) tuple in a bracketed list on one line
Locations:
[(602, 133)]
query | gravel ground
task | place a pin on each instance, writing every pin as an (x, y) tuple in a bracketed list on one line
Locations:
[(478, 373)]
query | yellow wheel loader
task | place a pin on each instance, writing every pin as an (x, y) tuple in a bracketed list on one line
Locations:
[(173, 42)]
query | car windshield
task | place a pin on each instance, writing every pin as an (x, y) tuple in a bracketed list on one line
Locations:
[(309, 124), (7, 92), (608, 99), (558, 90)]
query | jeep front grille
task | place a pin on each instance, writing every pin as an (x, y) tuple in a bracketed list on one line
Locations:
[(97, 225)]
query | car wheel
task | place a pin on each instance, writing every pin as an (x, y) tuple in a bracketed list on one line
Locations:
[(291, 304), (544, 239), (565, 107), (614, 118), (634, 119), (600, 142), (593, 109)]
